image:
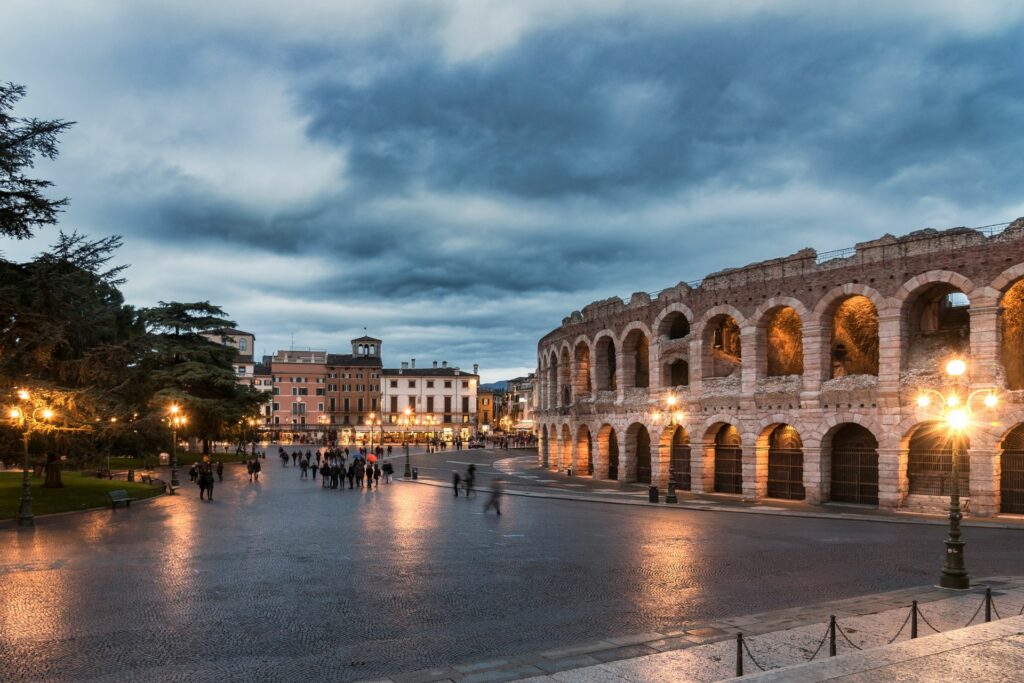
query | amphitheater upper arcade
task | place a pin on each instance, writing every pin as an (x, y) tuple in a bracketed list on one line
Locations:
[(798, 377)]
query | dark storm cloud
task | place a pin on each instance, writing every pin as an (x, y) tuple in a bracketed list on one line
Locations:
[(477, 200)]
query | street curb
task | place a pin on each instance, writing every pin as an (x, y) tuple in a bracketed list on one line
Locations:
[(749, 511)]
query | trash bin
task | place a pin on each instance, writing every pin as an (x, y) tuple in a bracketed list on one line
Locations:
[(652, 494), (131, 475), (415, 473)]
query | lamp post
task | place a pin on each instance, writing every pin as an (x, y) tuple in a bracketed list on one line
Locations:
[(405, 420), (675, 418), (177, 420), (957, 413), (371, 420), (26, 417)]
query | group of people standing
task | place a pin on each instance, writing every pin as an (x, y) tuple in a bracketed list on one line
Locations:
[(335, 465), (201, 473)]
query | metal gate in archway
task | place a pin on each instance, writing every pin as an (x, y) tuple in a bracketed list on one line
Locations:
[(613, 456), (785, 464), (728, 461), (680, 460), (1011, 482), (643, 456), (854, 462)]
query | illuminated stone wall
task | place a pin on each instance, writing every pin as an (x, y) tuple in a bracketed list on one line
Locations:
[(813, 343)]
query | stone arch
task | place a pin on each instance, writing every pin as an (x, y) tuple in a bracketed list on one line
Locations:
[(583, 462), (609, 464), (853, 340), (635, 343), (929, 460), (781, 341), (1011, 471), (726, 446), (565, 394), (605, 361), (674, 455), (779, 454), (720, 342), (581, 382), (849, 456), (675, 370), (639, 458), (668, 324), (566, 446), (935, 319), (1011, 333), (552, 379)]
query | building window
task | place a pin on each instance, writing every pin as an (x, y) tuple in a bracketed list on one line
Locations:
[(320, 391), (448, 384), (430, 404), (346, 419), (359, 405), (373, 404), (320, 407), (394, 384), (412, 384), (243, 344), (394, 404), (430, 384), (346, 405), (277, 406), (465, 385)]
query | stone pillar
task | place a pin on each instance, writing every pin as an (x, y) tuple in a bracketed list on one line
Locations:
[(890, 350), (627, 460), (702, 466), (755, 467), (817, 362), (600, 457), (654, 368), (620, 376), (985, 351), (985, 470), (748, 354), (661, 453), (892, 476), (696, 365), (817, 475)]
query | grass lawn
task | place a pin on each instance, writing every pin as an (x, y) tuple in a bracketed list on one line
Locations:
[(79, 493)]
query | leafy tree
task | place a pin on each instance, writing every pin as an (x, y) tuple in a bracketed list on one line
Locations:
[(23, 207), (188, 368)]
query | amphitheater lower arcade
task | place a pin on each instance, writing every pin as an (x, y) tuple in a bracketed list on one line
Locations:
[(798, 378)]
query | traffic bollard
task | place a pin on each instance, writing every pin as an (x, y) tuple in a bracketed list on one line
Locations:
[(913, 620), (832, 636)]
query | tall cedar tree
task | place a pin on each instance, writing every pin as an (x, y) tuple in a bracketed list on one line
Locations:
[(23, 207), (198, 373)]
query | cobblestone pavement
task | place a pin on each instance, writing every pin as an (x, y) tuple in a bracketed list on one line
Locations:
[(282, 580)]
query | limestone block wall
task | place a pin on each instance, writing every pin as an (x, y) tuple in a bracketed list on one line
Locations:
[(585, 401)]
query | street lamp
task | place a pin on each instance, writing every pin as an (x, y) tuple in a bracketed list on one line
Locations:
[(675, 418), (27, 418), (371, 420), (177, 420), (405, 420), (957, 413)]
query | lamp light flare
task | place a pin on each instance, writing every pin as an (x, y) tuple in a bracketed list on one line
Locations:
[(679, 416), (957, 419), (923, 401), (47, 414), (671, 400), (174, 409), (991, 401), (956, 367), (23, 394), (15, 413), (952, 400)]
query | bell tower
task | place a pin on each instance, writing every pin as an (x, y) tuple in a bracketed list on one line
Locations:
[(366, 347)]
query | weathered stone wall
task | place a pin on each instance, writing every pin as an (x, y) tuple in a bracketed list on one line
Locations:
[(809, 368)]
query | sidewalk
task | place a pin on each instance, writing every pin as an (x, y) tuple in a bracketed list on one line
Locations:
[(774, 640)]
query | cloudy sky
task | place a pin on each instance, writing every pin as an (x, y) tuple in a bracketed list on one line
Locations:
[(458, 176)]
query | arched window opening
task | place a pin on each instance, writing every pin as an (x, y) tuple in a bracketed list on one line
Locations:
[(854, 349), (937, 325), (581, 357), (722, 344), (636, 349), (728, 460), (784, 336), (1011, 473), (641, 443), (785, 464), (678, 373), (606, 370), (680, 459), (613, 455), (674, 326), (1012, 320)]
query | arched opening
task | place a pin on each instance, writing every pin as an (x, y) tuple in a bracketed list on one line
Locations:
[(552, 381), (854, 349), (677, 373), (728, 460), (854, 462), (785, 464), (565, 454), (936, 325), (1012, 325), (930, 461), (784, 335), (606, 370), (638, 440), (613, 455), (636, 351), (679, 459), (674, 326), (584, 451), (1011, 472), (722, 356), (581, 370), (545, 447), (565, 376)]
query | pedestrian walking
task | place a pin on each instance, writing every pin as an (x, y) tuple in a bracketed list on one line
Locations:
[(470, 478), (351, 474), (369, 475), (456, 479), (193, 472), (376, 474), (304, 469), (495, 498), (388, 471), (220, 471), (250, 467), (256, 467)]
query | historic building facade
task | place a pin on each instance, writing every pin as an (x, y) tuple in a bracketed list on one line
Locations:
[(799, 377)]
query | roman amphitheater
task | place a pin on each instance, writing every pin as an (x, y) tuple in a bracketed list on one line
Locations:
[(801, 377)]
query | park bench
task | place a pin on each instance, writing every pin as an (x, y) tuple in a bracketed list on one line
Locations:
[(120, 496)]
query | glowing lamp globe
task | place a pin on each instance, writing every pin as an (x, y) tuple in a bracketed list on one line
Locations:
[(991, 401), (956, 367), (957, 419), (923, 401)]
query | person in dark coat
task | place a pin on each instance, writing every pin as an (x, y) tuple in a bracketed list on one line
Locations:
[(351, 474), (360, 473), (193, 473), (369, 475), (494, 501), (220, 471), (455, 482), (256, 467), (376, 474)]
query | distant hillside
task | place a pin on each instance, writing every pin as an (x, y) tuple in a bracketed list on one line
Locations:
[(496, 386)]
